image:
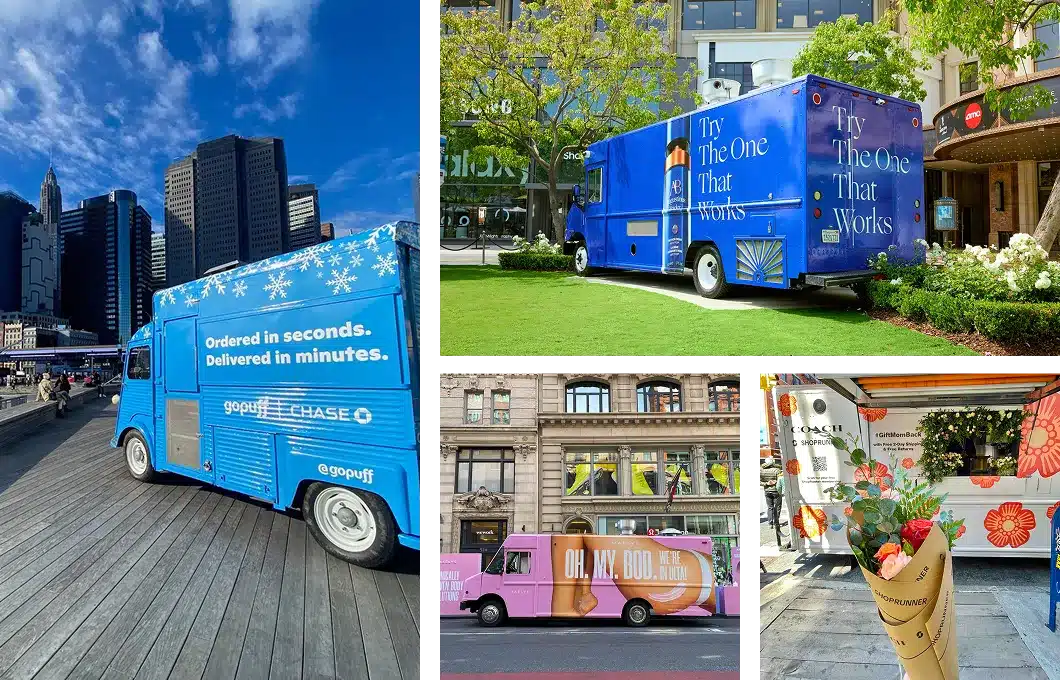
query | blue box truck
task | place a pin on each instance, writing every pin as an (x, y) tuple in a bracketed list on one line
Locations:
[(789, 186), (294, 380)]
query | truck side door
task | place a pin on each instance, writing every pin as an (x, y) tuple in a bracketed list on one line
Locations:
[(519, 585), (596, 212), (178, 421)]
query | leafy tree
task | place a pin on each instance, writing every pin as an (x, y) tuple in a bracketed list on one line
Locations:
[(995, 32), (563, 75), (865, 55)]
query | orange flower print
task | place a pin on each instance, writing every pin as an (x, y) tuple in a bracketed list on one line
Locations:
[(787, 404), (1009, 525), (908, 463), (985, 481), (1052, 511), (879, 475), (811, 522), (872, 414), (1040, 439), (848, 511), (793, 467), (960, 530)]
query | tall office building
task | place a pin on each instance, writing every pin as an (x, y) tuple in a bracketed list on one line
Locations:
[(105, 266), (158, 261), (51, 199), (226, 202), (13, 209), (38, 265), (304, 215), (327, 232)]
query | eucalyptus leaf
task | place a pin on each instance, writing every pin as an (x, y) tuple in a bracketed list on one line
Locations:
[(859, 503), (873, 517), (858, 456), (839, 443), (860, 555), (886, 527), (874, 491), (887, 507), (856, 537)]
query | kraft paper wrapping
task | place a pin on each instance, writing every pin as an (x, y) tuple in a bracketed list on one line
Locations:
[(918, 612)]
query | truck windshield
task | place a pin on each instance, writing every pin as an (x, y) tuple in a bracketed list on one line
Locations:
[(496, 565)]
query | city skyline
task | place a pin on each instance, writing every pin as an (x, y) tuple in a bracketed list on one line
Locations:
[(145, 85)]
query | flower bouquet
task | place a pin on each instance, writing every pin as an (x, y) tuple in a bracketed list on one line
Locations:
[(902, 542)]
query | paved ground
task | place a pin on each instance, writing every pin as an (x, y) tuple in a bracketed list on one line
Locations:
[(104, 576), (553, 649), (472, 255), (818, 619), (682, 288)]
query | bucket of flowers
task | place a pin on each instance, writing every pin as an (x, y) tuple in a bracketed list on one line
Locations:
[(902, 542)]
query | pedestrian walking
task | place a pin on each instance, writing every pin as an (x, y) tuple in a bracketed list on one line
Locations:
[(769, 477), (62, 393), (98, 380)]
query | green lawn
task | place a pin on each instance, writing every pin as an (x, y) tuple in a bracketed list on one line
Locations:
[(489, 312)]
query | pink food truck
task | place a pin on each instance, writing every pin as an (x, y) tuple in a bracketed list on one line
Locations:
[(584, 575)]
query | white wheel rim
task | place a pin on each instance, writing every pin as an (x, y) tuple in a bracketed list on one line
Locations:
[(707, 271), (637, 614), (581, 258), (136, 456), (490, 613), (344, 519)]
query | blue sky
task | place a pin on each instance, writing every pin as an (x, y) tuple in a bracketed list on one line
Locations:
[(112, 92)]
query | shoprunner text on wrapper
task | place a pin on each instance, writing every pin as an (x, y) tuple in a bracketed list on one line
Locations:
[(293, 380)]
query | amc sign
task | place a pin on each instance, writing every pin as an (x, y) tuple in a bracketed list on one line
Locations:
[(973, 116)]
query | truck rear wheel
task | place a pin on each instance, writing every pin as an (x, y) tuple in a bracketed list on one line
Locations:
[(138, 458), (353, 525), (492, 613), (636, 614), (581, 260), (708, 274)]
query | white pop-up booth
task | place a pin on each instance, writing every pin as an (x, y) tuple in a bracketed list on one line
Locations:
[(1006, 493)]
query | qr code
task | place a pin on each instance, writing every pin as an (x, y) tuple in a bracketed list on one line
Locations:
[(820, 463)]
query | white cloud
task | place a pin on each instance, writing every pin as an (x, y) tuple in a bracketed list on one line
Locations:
[(150, 51), (8, 96), (355, 221), (286, 107), (41, 79), (297, 179), (269, 35), (374, 168), (109, 25)]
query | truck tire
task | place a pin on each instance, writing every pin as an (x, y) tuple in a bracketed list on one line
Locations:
[(636, 614), (708, 274), (492, 613), (353, 525), (581, 260), (138, 457)]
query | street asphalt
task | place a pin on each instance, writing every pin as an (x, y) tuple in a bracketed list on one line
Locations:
[(608, 649)]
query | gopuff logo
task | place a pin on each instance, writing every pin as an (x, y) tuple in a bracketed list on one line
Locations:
[(337, 471)]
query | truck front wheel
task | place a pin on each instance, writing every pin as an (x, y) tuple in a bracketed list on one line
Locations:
[(355, 526), (581, 260), (138, 458), (709, 274), (492, 613), (636, 614)]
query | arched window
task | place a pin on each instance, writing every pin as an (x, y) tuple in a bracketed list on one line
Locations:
[(588, 397), (724, 395), (658, 396)]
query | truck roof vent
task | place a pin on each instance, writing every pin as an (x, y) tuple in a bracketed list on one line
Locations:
[(719, 89), (223, 267), (771, 71)]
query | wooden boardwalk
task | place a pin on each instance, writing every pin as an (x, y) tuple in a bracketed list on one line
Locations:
[(102, 576)]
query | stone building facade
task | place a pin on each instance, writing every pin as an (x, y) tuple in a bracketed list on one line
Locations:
[(606, 454)]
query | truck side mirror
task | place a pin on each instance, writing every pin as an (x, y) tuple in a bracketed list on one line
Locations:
[(579, 197)]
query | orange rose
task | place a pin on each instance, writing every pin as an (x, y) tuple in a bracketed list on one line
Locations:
[(848, 511), (793, 467), (786, 404), (886, 550), (908, 463)]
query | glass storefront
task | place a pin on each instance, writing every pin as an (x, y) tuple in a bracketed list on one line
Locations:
[(722, 528), (481, 195), (482, 536)]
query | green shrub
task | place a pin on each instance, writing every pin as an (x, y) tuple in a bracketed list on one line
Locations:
[(536, 262), (913, 303), (1016, 322), (949, 314)]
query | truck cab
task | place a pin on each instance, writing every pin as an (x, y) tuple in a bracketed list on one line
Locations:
[(506, 587), (293, 380)]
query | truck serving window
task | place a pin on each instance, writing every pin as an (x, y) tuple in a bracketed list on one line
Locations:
[(139, 364), (596, 185)]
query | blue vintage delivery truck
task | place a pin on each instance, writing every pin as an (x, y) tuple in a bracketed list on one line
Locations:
[(293, 380), (792, 185)]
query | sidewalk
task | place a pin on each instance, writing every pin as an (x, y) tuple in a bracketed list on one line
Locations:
[(816, 628), (469, 256)]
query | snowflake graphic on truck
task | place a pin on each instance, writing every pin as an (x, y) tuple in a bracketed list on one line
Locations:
[(340, 281), (385, 264), (278, 284)]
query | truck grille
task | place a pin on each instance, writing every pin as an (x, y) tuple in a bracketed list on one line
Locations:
[(760, 260)]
